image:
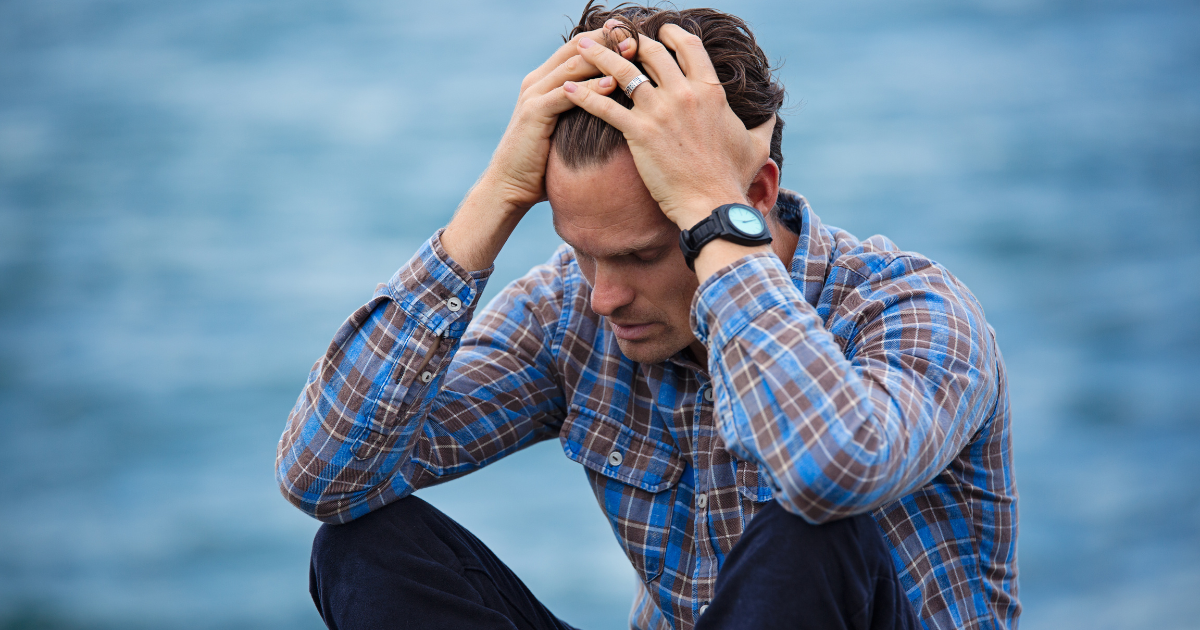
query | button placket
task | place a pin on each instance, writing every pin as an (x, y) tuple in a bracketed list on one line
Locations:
[(702, 440)]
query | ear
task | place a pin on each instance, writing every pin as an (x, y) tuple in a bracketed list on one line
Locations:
[(764, 188)]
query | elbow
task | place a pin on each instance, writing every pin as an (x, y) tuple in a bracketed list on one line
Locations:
[(819, 505), (837, 489), (291, 490), (331, 512), (298, 488), (328, 500)]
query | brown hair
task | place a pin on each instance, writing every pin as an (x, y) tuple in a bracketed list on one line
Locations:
[(581, 139)]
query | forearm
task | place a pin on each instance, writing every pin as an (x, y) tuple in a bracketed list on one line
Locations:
[(482, 224), (842, 424), (361, 410)]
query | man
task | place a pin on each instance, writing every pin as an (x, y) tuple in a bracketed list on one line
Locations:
[(786, 426)]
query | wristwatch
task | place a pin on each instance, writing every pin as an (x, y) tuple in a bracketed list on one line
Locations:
[(734, 222)]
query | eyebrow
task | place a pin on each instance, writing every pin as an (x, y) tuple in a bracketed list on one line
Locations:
[(651, 243)]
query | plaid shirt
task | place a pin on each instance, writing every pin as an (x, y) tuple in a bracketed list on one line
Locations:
[(865, 380)]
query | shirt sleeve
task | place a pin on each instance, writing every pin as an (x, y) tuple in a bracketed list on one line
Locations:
[(853, 410), (412, 391)]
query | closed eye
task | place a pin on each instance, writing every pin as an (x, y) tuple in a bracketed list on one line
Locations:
[(647, 256)]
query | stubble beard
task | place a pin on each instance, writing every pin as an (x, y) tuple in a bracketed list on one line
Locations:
[(654, 350)]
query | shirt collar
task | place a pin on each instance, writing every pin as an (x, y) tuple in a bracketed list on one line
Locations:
[(814, 250)]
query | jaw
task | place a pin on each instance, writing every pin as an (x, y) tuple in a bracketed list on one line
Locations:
[(656, 349), (639, 352)]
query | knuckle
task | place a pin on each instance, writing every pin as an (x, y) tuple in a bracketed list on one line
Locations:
[(523, 111)]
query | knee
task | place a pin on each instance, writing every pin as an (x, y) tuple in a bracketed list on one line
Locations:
[(390, 528), (782, 531)]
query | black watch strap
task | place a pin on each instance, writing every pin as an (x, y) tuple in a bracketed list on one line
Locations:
[(718, 225)]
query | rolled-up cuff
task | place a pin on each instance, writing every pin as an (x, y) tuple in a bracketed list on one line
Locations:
[(435, 290)]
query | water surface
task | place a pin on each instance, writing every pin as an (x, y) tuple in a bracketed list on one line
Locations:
[(194, 195)]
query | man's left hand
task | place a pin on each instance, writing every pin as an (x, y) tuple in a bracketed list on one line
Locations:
[(692, 152)]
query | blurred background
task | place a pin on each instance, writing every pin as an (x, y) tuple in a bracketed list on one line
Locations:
[(194, 195)]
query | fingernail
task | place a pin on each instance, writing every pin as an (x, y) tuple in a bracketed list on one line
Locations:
[(611, 24), (606, 82), (570, 86), (586, 42), (624, 45)]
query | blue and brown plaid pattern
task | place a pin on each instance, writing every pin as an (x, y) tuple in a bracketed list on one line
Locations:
[(863, 379)]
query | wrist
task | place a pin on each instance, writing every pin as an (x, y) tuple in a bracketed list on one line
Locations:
[(505, 201), (480, 228), (733, 229), (696, 210), (720, 254)]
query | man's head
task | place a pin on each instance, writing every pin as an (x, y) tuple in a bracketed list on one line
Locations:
[(626, 247)]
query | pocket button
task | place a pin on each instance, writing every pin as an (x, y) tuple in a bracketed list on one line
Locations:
[(615, 458)]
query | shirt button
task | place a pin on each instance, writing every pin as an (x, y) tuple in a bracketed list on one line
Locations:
[(426, 376), (615, 458), (708, 395), (703, 608), (454, 304), (702, 501)]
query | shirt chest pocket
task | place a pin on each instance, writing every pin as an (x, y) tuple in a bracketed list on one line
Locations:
[(755, 487), (634, 478)]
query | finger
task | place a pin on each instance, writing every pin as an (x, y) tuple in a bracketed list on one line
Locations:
[(622, 37), (689, 50), (657, 60), (574, 69), (564, 52), (601, 106), (614, 65), (556, 101)]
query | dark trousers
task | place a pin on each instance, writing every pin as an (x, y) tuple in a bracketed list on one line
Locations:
[(407, 565)]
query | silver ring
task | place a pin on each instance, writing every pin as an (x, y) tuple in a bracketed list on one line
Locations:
[(638, 80)]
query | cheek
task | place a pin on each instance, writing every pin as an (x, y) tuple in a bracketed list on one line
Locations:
[(587, 267), (674, 287)]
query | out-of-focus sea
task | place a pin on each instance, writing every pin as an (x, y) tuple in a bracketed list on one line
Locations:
[(194, 195)]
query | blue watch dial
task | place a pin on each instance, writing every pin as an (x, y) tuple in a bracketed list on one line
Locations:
[(746, 220)]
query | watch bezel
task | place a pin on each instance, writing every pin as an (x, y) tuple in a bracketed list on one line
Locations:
[(728, 224)]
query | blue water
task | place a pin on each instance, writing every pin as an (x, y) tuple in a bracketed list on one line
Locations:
[(193, 195)]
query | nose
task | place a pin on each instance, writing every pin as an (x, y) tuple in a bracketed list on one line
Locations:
[(611, 290)]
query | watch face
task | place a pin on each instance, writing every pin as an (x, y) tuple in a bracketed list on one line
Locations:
[(746, 220)]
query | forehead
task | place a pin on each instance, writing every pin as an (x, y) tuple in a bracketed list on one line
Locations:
[(605, 209)]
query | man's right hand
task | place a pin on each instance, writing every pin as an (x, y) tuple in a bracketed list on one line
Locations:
[(515, 178)]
